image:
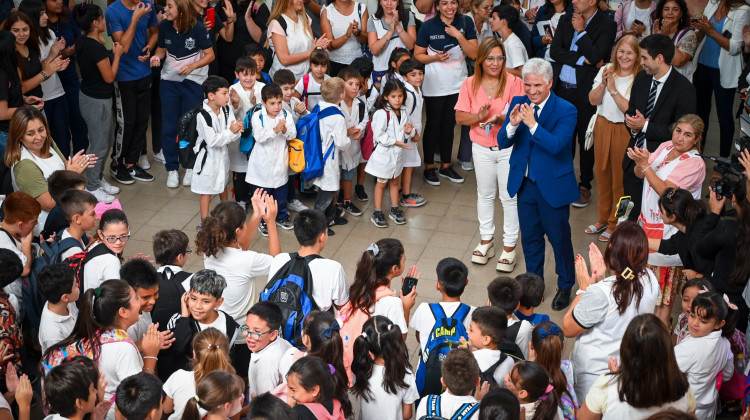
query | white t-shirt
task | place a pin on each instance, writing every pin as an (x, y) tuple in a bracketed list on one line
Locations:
[(140, 328), (118, 361), (14, 289), (180, 387), (449, 404), (313, 91), (523, 338), (422, 321), (54, 328), (72, 250), (515, 52), (604, 399), (263, 372), (383, 405), (609, 109), (100, 269), (329, 280), (52, 87), (392, 308), (486, 358), (220, 324), (287, 360)]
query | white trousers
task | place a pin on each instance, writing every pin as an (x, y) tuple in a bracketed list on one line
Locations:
[(492, 168)]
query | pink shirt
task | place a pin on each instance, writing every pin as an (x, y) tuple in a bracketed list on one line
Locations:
[(470, 102), (688, 175)]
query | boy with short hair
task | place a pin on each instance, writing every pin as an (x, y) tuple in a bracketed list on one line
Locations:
[(57, 184), (460, 379), (255, 51), (16, 233), (261, 332), (142, 277), (171, 249), (10, 332), (505, 293), (368, 94), (308, 89), (68, 391), (356, 116), (532, 295), (268, 164), (79, 208), (486, 332), (413, 73), (139, 397), (58, 285)]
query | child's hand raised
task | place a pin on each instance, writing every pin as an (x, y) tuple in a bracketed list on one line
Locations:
[(234, 96), (151, 341), (280, 126), (101, 410), (166, 338), (482, 389), (184, 311), (236, 126), (408, 127), (300, 107), (259, 205), (24, 393), (272, 209), (101, 387)]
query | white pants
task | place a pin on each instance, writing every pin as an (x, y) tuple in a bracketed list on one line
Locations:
[(492, 168)]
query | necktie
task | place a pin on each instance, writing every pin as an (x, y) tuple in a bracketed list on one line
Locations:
[(530, 174), (536, 112), (640, 140)]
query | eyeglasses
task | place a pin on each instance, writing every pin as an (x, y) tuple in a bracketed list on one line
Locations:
[(252, 334), (498, 58), (114, 239)]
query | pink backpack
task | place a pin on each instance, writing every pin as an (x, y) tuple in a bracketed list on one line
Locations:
[(84, 348), (321, 413)]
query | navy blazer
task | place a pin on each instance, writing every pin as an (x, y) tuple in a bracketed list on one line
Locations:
[(550, 157)]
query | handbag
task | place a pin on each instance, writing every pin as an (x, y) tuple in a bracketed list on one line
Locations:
[(589, 143)]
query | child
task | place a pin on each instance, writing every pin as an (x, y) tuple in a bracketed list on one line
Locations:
[(199, 311), (79, 208), (332, 134), (284, 78), (139, 397), (245, 94), (690, 291), (486, 332), (210, 351), (398, 56), (316, 392), (529, 382), (308, 88), (547, 345), (142, 277), (268, 164), (57, 184), (255, 51), (532, 295), (385, 383), (505, 293), (461, 380), (218, 396), (16, 233), (330, 287), (412, 72), (171, 249), (368, 94), (58, 285), (390, 130), (499, 404), (10, 332), (268, 407), (355, 113), (70, 392), (102, 261), (211, 171), (261, 331), (706, 353)]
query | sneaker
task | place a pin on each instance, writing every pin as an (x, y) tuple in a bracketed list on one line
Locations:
[(296, 205), (436, 157), (413, 200), (340, 211), (143, 162), (173, 179), (467, 166), (378, 219), (139, 174), (243, 205), (159, 157), (430, 177), (352, 209), (397, 216), (338, 220), (452, 175), (331, 232), (107, 187), (359, 191), (188, 178), (102, 196), (285, 223), (121, 174), (262, 228)]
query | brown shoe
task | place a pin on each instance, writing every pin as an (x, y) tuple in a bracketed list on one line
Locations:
[(585, 198)]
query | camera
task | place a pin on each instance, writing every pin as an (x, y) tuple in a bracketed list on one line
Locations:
[(730, 169)]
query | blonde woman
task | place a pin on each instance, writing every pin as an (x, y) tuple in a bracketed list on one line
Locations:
[(290, 37)]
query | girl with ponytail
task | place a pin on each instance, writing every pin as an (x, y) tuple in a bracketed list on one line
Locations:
[(218, 396), (530, 382), (547, 345), (210, 353), (315, 391), (385, 383)]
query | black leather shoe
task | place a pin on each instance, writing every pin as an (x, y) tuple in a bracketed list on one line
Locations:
[(561, 300)]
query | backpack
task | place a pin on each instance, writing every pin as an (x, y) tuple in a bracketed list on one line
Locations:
[(247, 140), (434, 412), (508, 345), (308, 131), (187, 135), (83, 348), (445, 334), (489, 374), (291, 290), (296, 155), (170, 296), (306, 82), (367, 145), (79, 259)]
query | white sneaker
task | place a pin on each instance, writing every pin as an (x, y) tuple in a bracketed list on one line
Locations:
[(159, 157), (296, 205), (107, 187), (102, 196), (143, 162), (467, 166), (173, 179), (188, 179)]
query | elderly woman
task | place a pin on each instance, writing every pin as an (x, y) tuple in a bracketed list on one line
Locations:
[(33, 157), (675, 164), (482, 104), (603, 307)]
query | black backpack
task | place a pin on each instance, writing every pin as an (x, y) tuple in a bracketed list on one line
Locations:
[(170, 296), (187, 135), (508, 345), (489, 374), (78, 260), (291, 289)]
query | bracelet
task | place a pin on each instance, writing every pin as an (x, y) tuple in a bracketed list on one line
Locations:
[(151, 357), (580, 292), (614, 93), (644, 171), (150, 370), (44, 75)]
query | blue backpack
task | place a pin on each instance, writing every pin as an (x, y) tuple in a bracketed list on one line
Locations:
[(445, 336), (434, 411), (247, 140), (308, 130)]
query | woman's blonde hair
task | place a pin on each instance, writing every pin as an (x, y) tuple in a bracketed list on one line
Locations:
[(632, 42), (187, 16), (485, 47), (279, 8), (211, 348), (19, 122)]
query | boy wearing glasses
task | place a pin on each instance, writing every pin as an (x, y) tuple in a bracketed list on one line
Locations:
[(261, 332)]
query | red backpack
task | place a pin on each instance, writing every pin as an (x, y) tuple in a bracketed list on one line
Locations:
[(367, 144)]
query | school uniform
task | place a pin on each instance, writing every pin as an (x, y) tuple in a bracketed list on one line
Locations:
[(289, 108), (180, 387), (524, 334), (99, 269), (383, 405), (423, 320), (487, 357), (211, 177), (413, 104), (54, 328), (449, 404), (137, 331), (313, 94), (237, 159), (356, 117), (263, 373), (387, 159), (332, 133), (328, 278)]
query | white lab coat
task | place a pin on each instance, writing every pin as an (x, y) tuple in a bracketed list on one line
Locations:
[(212, 176), (332, 131), (387, 160), (268, 163), (237, 159), (413, 103), (352, 154)]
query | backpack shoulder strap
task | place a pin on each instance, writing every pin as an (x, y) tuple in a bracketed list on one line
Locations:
[(461, 312), (282, 22), (305, 83), (437, 311), (9, 235), (512, 332), (361, 107), (206, 116), (491, 370), (433, 406), (68, 243), (465, 411), (327, 112), (414, 104)]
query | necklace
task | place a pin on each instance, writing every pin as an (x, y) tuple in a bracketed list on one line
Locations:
[(490, 90), (642, 16)]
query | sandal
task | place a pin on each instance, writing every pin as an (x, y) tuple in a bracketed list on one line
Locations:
[(507, 262), (592, 230), (483, 253), (604, 237)]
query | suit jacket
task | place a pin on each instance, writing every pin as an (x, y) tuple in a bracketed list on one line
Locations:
[(595, 45), (546, 152)]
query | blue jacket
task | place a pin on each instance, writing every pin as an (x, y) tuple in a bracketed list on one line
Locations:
[(547, 152)]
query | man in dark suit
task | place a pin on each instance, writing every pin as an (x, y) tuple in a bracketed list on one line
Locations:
[(582, 44), (660, 96), (540, 128)]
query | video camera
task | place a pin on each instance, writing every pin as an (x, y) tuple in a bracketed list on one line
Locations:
[(731, 168)]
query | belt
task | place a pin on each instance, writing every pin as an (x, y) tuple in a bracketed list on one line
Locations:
[(567, 85)]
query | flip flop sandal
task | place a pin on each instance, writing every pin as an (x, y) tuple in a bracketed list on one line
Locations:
[(604, 237), (592, 230), (507, 262), (483, 253)]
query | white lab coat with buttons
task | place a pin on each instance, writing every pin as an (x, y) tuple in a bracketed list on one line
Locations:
[(332, 131), (351, 154), (237, 159), (268, 162), (387, 160), (212, 176)]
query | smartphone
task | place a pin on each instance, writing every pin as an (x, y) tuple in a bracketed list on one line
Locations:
[(622, 206), (638, 22), (448, 48), (211, 16), (727, 34), (409, 284), (547, 28)]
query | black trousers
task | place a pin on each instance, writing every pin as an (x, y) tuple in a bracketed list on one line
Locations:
[(438, 132), (133, 103), (585, 111), (632, 186)]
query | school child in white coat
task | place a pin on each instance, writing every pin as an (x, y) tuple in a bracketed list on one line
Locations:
[(355, 113), (244, 95), (268, 162), (412, 72), (332, 133), (391, 130), (211, 170), (706, 353)]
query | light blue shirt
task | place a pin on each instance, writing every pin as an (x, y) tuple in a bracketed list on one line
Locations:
[(568, 73)]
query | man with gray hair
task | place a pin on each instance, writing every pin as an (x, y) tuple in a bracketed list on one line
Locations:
[(540, 129)]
